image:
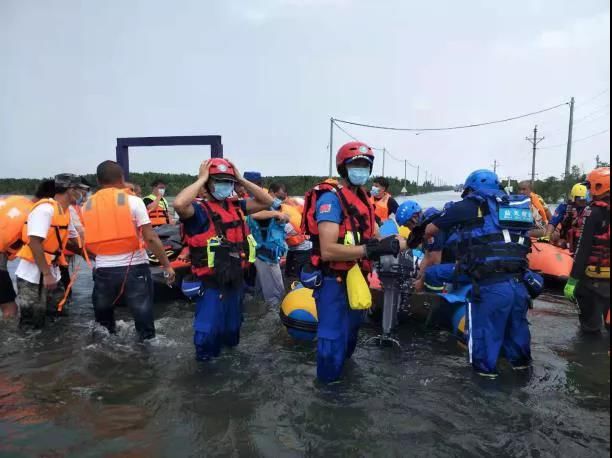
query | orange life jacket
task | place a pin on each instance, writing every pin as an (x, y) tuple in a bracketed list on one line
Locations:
[(14, 213), (295, 216), (159, 215), (381, 207), (108, 221), (56, 239), (358, 224), (537, 202)]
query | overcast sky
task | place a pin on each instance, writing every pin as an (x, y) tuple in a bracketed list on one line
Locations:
[(268, 74)]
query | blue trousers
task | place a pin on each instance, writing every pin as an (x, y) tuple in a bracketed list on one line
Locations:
[(217, 322), (498, 323), (498, 326), (337, 331)]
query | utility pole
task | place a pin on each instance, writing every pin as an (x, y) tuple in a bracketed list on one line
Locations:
[(535, 141), (570, 135), (418, 177), (405, 173), (384, 157), (331, 146), (597, 162), (495, 166)]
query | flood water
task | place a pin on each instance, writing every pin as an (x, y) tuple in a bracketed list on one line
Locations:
[(73, 390)]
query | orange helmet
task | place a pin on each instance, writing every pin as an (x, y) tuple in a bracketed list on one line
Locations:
[(222, 169), (598, 181)]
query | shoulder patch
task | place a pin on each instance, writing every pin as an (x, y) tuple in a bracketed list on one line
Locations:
[(325, 208)]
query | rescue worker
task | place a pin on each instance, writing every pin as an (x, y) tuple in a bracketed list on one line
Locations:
[(384, 204), (541, 212), (47, 234), (268, 229), (432, 247), (118, 228), (408, 217), (491, 232), (157, 205), (589, 284), (221, 249), (564, 228), (341, 222)]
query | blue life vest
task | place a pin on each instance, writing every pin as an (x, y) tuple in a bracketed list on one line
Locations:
[(497, 242), (271, 245)]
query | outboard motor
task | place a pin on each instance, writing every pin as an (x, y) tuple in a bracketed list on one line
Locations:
[(396, 277)]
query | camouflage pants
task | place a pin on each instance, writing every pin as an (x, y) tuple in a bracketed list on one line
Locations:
[(36, 303)]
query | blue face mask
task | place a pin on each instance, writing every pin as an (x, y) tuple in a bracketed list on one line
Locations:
[(358, 176), (223, 190), (375, 191)]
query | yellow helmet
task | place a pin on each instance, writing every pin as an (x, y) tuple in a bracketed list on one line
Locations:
[(579, 191)]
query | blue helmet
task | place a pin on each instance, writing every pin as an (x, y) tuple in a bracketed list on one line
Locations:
[(406, 211), (253, 177), (430, 213), (482, 180)]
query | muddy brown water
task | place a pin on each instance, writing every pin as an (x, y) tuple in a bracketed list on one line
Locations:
[(73, 390)]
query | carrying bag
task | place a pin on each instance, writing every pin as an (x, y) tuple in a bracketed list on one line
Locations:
[(358, 290)]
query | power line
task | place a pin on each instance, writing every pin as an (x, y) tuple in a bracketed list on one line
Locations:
[(577, 141), (580, 120), (594, 113), (347, 133), (595, 97), (467, 126)]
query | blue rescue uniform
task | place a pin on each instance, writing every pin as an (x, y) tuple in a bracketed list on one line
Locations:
[(218, 315), (338, 327), (497, 312)]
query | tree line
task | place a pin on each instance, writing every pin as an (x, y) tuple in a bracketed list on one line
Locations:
[(296, 185), (552, 189)]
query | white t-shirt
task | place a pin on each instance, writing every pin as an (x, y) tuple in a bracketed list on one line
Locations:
[(39, 223), (140, 217), (76, 220)]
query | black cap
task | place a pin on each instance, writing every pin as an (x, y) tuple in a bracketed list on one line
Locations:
[(67, 180), (85, 185)]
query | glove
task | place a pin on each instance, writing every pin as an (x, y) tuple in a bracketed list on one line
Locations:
[(545, 239), (377, 248), (570, 289)]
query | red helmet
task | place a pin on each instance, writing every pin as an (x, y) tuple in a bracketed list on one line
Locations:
[(222, 169), (351, 152), (598, 181)]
